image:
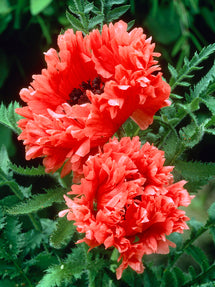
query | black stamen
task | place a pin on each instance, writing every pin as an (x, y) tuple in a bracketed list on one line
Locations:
[(79, 96)]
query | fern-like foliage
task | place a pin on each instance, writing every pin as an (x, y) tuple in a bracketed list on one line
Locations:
[(8, 116), (6, 177), (27, 171), (86, 16), (65, 273), (196, 173), (37, 202), (179, 78)]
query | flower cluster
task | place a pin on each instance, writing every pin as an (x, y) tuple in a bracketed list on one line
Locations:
[(127, 199), (89, 89)]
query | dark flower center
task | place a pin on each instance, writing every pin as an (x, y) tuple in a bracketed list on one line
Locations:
[(79, 96)]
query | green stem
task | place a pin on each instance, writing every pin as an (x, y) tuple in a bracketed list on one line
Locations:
[(199, 277), (20, 270), (188, 243), (35, 223)]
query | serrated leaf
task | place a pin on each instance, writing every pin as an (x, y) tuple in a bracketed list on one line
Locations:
[(9, 118), (192, 65), (194, 225), (88, 7), (37, 202), (192, 272), (27, 171), (130, 25), (192, 134), (94, 21), (180, 276), (200, 89), (211, 213), (4, 159), (150, 279), (75, 23), (12, 233), (79, 5), (210, 131), (63, 233), (116, 2), (37, 6), (184, 84), (170, 147), (169, 279), (173, 71), (196, 173), (209, 101), (2, 219), (199, 256), (43, 260), (20, 191), (116, 13), (58, 275)]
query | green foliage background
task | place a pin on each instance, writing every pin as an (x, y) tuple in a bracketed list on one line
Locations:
[(32, 239)]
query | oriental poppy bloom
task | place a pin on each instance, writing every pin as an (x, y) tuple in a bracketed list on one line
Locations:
[(127, 199), (88, 90)]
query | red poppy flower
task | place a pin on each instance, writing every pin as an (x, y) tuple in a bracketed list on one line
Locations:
[(88, 90), (127, 199)]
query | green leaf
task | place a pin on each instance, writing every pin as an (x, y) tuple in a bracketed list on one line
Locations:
[(14, 237), (63, 233), (194, 225), (211, 213), (173, 71), (199, 256), (192, 272), (116, 13), (43, 260), (192, 134), (75, 23), (2, 219), (27, 171), (150, 278), (115, 2), (59, 275), (34, 239), (37, 6), (170, 147), (196, 173), (169, 279), (201, 88), (20, 191), (180, 276), (209, 101), (191, 65), (4, 159), (94, 21), (130, 25), (9, 118), (37, 202)]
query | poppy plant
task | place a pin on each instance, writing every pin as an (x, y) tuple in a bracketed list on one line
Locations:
[(88, 90), (127, 200)]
